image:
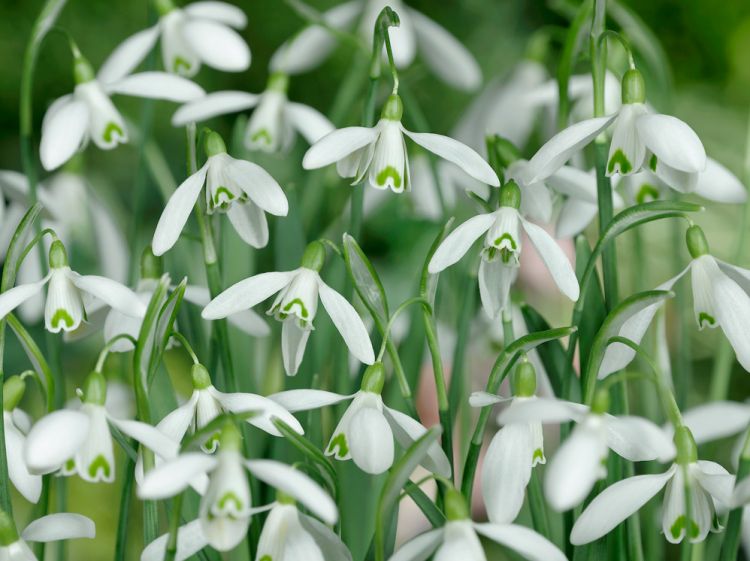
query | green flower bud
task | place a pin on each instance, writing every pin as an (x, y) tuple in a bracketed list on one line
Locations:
[(393, 109), (455, 505), (214, 144), (200, 376), (8, 532), (696, 241), (687, 451), (600, 405), (278, 82), (152, 267), (524, 380), (95, 388), (163, 7), (633, 87), (13, 390), (374, 378), (230, 438), (58, 256), (510, 195), (314, 256)]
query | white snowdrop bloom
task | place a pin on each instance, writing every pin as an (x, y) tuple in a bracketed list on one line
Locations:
[(441, 52), (502, 251), (243, 190), (295, 306), (458, 538), (16, 424), (199, 33), (275, 120), (64, 308), (708, 484), (226, 508), (80, 442), (721, 298), (89, 114), (378, 154), (366, 430), (717, 419), (49, 528)]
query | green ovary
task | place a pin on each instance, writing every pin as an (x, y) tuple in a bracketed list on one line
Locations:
[(620, 160), (338, 446), (62, 315), (683, 522), (110, 131), (385, 173), (99, 463)]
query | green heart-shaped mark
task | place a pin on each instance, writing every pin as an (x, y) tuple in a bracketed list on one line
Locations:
[(180, 62), (262, 134), (61, 315), (652, 162), (99, 463), (684, 523), (385, 173), (339, 446), (647, 193), (111, 130), (228, 497), (619, 160), (706, 319)]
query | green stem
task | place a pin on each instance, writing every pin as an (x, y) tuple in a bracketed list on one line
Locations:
[(174, 526), (124, 508), (537, 505), (568, 60), (734, 524)]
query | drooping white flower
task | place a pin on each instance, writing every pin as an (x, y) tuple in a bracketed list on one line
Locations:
[(16, 424), (64, 308), (275, 120), (441, 52), (502, 251), (378, 154), (89, 114), (366, 430), (458, 538), (199, 33), (49, 528), (295, 306), (243, 190), (708, 484), (226, 506)]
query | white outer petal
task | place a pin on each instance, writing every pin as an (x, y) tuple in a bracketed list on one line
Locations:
[(54, 439), (638, 439), (63, 132), (717, 183), (672, 141), (370, 440), (554, 258), (171, 477), (458, 242), (715, 420), (128, 55), (222, 12), (419, 548), (304, 400), (310, 122), (176, 212), (217, 45), (246, 294), (338, 144), (158, 85), (348, 323), (112, 293), (407, 430), (212, 105), (190, 540), (59, 526), (527, 542)]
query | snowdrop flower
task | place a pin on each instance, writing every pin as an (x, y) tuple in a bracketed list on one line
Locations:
[(440, 51), (458, 538), (708, 483), (89, 114), (502, 251), (275, 120), (225, 508), (379, 153), (199, 33), (49, 528), (243, 190), (64, 308), (367, 428), (80, 441), (295, 306), (16, 424)]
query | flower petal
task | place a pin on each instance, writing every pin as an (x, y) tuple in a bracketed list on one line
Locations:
[(525, 541), (190, 540), (217, 11), (337, 145), (445, 55), (458, 242), (114, 294), (672, 141), (541, 410), (217, 45), (213, 104), (297, 485), (128, 55), (29, 485), (250, 223), (330, 544), (561, 147), (156, 439), (293, 344), (171, 477), (304, 400), (370, 440), (574, 217), (259, 185), (11, 299), (732, 307), (719, 419), (717, 183), (638, 439), (554, 258), (178, 209), (158, 85), (267, 410), (457, 153), (246, 294), (627, 151), (310, 123), (348, 323), (54, 439), (483, 399), (59, 526), (407, 431), (419, 548), (616, 503), (63, 132), (495, 280)]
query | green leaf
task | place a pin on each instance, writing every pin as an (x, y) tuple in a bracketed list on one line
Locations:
[(147, 336), (366, 280), (425, 504), (553, 356), (594, 310), (24, 232), (428, 282), (36, 357), (163, 327)]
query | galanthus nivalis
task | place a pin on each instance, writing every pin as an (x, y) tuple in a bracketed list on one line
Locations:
[(89, 114), (706, 482), (275, 120), (49, 528), (458, 538), (199, 33), (243, 190), (296, 306), (16, 424), (502, 251), (441, 52), (64, 307), (367, 428), (225, 508), (378, 154)]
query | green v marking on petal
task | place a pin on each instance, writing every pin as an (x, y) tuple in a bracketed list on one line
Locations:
[(704, 318), (262, 134), (228, 195), (110, 130), (538, 456), (266, 558), (647, 193), (684, 523), (180, 62), (229, 496), (61, 315), (385, 173), (339, 446), (652, 162), (297, 301), (619, 160), (99, 463)]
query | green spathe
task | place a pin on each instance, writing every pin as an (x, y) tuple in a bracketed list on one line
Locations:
[(152, 267)]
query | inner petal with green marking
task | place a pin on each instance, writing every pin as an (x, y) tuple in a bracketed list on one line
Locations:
[(100, 464), (389, 172), (180, 65), (229, 501), (619, 162), (338, 446), (62, 315), (507, 247), (112, 132), (262, 136), (684, 523)]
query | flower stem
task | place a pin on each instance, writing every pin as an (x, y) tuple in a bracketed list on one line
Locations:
[(734, 524), (174, 526)]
